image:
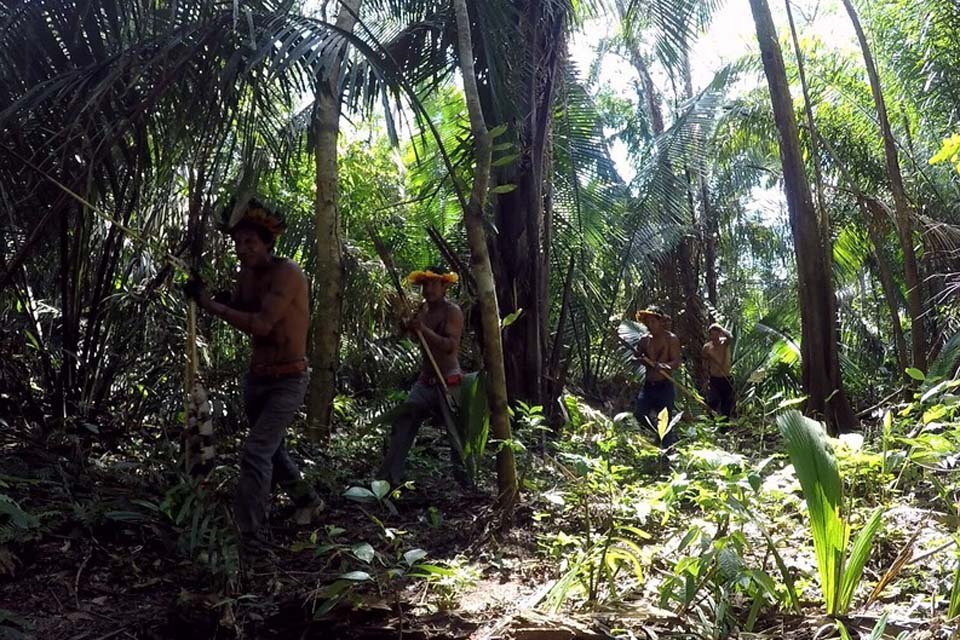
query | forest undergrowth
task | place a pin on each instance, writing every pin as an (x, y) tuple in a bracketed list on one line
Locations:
[(100, 536)]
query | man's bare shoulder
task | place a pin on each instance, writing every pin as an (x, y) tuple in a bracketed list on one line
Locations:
[(453, 308), (672, 337), (288, 272)]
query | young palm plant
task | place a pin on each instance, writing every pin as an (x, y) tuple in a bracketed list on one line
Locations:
[(816, 468)]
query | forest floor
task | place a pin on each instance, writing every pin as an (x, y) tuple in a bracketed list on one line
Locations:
[(611, 539)]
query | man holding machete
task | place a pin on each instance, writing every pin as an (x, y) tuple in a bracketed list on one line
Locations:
[(440, 322)]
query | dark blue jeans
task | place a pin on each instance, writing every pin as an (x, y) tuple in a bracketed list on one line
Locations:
[(271, 404), (652, 399)]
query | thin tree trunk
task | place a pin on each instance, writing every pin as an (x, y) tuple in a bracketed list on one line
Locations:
[(482, 271), (874, 215), (820, 363), (328, 273), (811, 125), (555, 377), (902, 206), (712, 232)]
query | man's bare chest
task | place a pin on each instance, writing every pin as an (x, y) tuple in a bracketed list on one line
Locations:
[(657, 349), (253, 288), (436, 320)]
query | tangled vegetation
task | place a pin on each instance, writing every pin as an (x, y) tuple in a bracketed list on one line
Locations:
[(574, 162)]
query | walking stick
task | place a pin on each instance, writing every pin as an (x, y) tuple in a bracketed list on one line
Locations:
[(693, 395), (445, 393)]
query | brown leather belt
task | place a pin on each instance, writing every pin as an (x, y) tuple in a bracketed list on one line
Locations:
[(279, 369)]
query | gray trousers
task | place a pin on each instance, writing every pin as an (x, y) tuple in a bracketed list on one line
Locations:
[(271, 405), (423, 402)]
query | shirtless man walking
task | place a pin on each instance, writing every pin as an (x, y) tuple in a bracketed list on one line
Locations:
[(660, 353), (716, 359), (272, 305), (441, 323)]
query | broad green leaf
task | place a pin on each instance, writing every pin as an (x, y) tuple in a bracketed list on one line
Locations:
[(380, 488), (504, 188), (413, 556), (359, 494), (363, 551), (816, 469), (916, 374)]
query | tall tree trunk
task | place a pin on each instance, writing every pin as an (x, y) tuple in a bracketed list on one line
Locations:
[(482, 271), (520, 249), (820, 363), (901, 205), (328, 272)]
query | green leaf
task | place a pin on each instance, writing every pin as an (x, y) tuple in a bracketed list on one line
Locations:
[(498, 131), (510, 318), (916, 374), (791, 402), (426, 570), (842, 629), (360, 494), (356, 576), (858, 558), (380, 488), (953, 609), (878, 629), (363, 551), (504, 188), (413, 556), (663, 423), (816, 469), (505, 160)]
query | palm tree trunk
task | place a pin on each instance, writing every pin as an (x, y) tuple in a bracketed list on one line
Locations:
[(328, 272), (820, 362), (901, 205), (482, 271)]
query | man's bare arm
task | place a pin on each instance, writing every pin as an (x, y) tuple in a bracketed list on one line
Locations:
[(674, 352), (453, 328), (275, 303)]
